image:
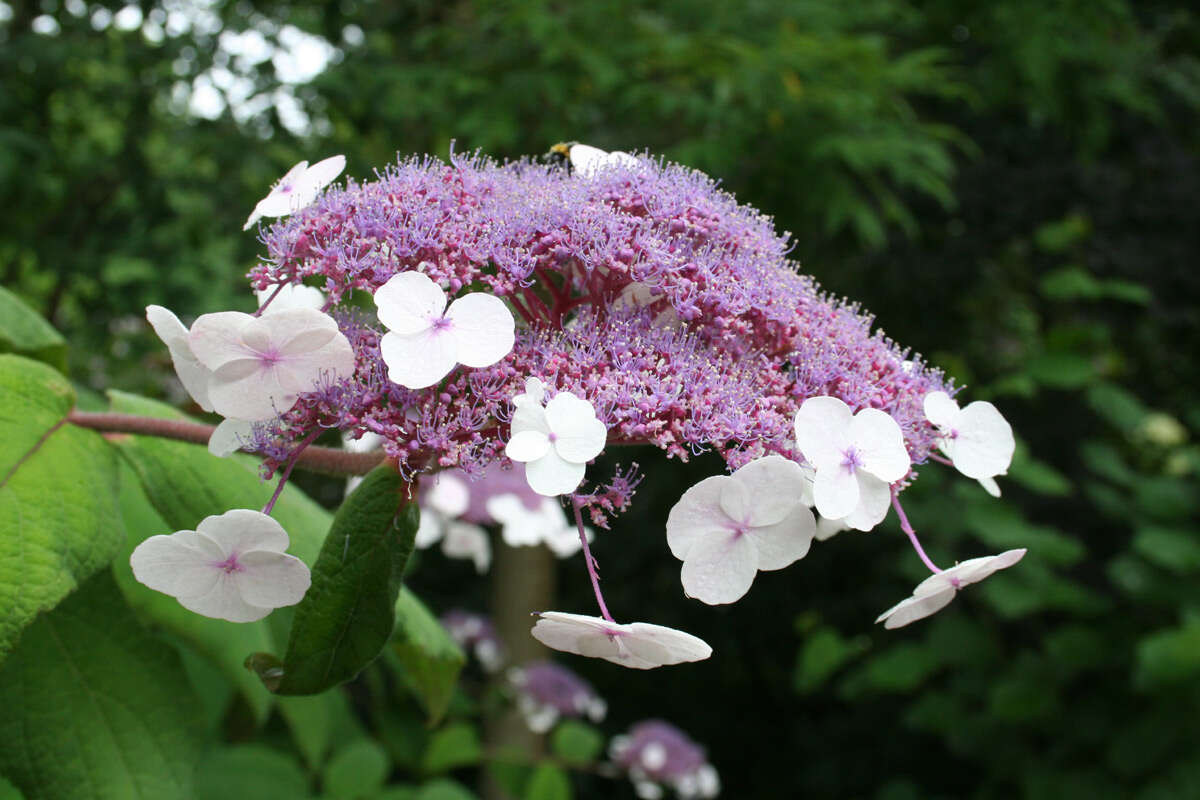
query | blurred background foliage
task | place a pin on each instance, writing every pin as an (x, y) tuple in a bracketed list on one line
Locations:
[(1009, 186)]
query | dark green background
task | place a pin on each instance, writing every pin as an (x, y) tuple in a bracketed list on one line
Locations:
[(1011, 187)]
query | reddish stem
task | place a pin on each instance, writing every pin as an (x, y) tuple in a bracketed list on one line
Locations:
[(287, 469), (912, 535), (591, 562)]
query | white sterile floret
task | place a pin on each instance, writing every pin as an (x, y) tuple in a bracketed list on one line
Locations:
[(232, 567), (192, 374), (556, 442), (261, 365), (464, 540), (587, 160), (977, 439), (638, 645), (727, 528), (935, 592), (522, 526), (297, 189), (447, 499), (289, 296), (426, 340), (855, 458)]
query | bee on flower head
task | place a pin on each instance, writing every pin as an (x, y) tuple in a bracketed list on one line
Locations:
[(585, 160)]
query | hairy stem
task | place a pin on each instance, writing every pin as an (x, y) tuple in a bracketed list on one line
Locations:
[(591, 562), (912, 535)]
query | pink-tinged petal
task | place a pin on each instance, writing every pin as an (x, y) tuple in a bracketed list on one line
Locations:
[(409, 303), (935, 583), (976, 569), (242, 530), (551, 475), (835, 490), (822, 431), (984, 446), (216, 339), (298, 330), (914, 608), (229, 437), (697, 515), (874, 499), (463, 540), (278, 202), (419, 360), (785, 542), (192, 374), (175, 564), (527, 446), (448, 495), (735, 502), (303, 372), (576, 633), (636, 653), (248, 389), (321, 174), (880, 444), (720, 569), (482, 327), (941, 410), (775, 485), (579, 436), (224, 601), (681, 646), (271, 580)]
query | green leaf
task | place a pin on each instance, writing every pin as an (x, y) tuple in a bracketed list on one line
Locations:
[(451, 747), (576, 742), (101, 709), (348, 614), (824, 652), (58, 496), (250, 772), (9, 792), (1175, 549), (1061, 370), (357, 770), (430, 658), (444, 789), (1037, 476), (24, 332), (1169, 657), (548, 783), (314, 720)]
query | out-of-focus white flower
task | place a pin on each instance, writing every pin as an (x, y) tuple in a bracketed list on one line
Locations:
[(445, 501), (232, 567), (426, 340), (555, 442), (297, 189), (522, 526), (727, 528), (935, 592), (638, 645), (855, 458)]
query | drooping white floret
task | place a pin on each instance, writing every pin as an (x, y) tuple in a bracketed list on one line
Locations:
[(638, 645)]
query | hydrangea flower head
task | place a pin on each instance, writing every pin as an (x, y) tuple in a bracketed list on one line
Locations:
[(232, 567), (477, 634), (725, 529)]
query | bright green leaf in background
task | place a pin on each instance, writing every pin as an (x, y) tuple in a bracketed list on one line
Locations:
[(356, 770), (577, 742), (25, 333), (58, 495), (548, 783), (250, 772), (429, 658), (100, 708)]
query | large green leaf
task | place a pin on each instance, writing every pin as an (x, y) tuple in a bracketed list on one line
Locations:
[(348, 614), (95, 707), (250, 772), (431, 660), (58, 505), (25, 333)]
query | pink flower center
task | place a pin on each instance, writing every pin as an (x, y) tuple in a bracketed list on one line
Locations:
[(229, 565), (850, 460), (442, 324)]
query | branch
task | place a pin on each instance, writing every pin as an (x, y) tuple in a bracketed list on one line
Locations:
[(327, 460)]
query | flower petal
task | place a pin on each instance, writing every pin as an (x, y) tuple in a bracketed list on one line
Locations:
[(429, 529), (304, 372), (828, 528), (229, 437), (720, 569), (530, 417), (912, 609), (289, 296), (552, 475), (941, 410), (527, 446), (271, 580), (679, 645), (735, 502), (418, 360), (578, 634), (249, 389), (990, 486), (835, 490), (449, 495), (580, 437), (880, 444), (874, 498), (409, 302), (321, 174), (216, 339), (483, 327), (192, 374), (775, 485), (176, 564), (224, 601), (984, 446), (241, 530), (822, 431), (785, 542), (697, 515)]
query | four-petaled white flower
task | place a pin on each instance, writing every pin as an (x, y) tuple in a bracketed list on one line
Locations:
[(232, 567), (855, 458), (261, 365), (555, 442), (522, 526), (727, 528), (587, 160), (445, 501), (426, 340), (935, 592), (976, 439), (297, 189), (638, 645)]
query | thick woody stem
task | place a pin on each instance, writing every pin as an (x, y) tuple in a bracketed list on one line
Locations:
[(327, 460)]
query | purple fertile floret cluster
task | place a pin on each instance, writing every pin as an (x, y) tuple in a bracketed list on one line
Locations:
[(644, 289)]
